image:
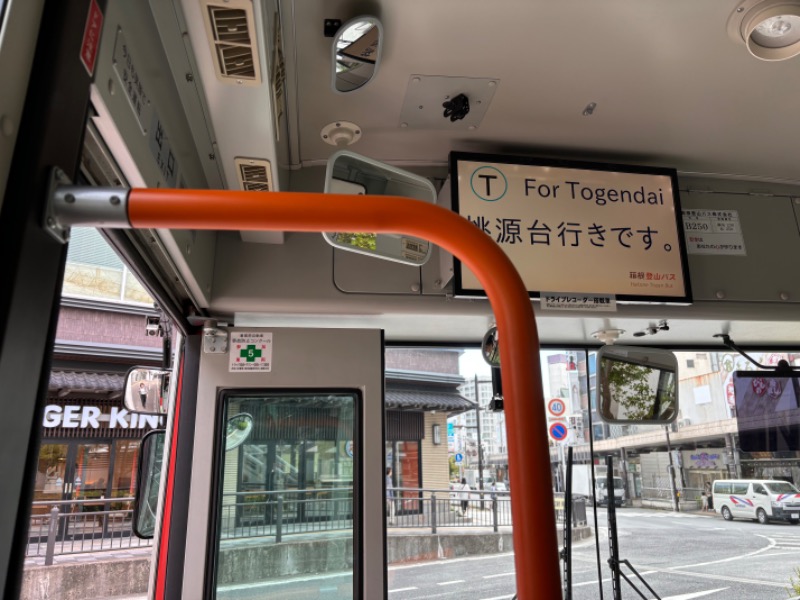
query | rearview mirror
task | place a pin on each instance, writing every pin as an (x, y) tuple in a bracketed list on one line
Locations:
[(147, 390), (637, 385), (356, 53), (350, 173), (148, 481)]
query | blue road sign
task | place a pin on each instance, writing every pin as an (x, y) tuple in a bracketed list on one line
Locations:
[(459, 457), (558, 431)]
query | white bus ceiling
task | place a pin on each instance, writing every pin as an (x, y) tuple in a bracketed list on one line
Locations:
[(671, 88)]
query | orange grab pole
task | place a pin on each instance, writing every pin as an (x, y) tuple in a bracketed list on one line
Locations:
[(534, 533)]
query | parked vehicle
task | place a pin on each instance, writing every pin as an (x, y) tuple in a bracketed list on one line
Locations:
[(582, 485), (760, 499)]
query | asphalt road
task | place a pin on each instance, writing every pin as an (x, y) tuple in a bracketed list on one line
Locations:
[(682, 557), (688, 556)]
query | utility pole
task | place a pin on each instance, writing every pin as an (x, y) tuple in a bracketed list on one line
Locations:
[(675, 502), (480, 440)]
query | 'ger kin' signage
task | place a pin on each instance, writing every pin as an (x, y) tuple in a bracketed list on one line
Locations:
[(579, 228), (91, 417)]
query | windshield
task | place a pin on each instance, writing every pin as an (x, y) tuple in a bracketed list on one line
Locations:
[(781, 487)]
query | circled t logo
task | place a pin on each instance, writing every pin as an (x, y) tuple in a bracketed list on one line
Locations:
[(489, 184)]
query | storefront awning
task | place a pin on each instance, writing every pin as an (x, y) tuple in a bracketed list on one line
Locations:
[(63, 383), (451, 402)]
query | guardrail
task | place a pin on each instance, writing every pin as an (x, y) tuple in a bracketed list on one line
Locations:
[(80, 526)]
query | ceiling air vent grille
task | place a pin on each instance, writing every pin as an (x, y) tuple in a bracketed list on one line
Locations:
[(255, 175), (233, 41)]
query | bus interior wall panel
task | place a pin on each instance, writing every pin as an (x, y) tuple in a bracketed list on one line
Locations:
[(300, 358), (155, 116), (769, 233), (356, 273), (143, 100), (796, 207), (169, 21), (284, 291), (251, 137), (51, 134), (263, 279)]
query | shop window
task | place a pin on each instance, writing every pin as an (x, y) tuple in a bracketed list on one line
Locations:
[(123, 480), (50, 473)]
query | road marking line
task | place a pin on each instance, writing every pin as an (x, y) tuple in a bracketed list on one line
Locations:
[(499, 575), (451, 582), (726, 578), (694, 594), (408, 589), (595, 582), (732, 558), (439, 563)]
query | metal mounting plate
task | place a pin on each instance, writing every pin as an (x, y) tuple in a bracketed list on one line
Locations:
[(61, 232), (215, 340), (422, 106)]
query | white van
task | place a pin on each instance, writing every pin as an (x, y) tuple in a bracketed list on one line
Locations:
[(760, 499)]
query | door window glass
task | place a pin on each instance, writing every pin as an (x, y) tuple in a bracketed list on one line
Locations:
[(287, 497)]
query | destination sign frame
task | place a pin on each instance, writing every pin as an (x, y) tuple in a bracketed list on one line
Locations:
[(576, 227)]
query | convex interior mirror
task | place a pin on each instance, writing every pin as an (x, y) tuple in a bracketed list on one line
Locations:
[(147, 390), (356, 53), (490, 348), (350, 173), (637, 385), (148, 481), (237, 430)]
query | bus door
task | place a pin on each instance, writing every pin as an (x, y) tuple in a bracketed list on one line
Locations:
[(287, 484)]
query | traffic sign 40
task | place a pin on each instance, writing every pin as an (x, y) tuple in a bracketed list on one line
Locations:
[(556, 407)]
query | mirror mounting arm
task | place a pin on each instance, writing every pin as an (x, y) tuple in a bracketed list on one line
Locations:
[(783, 367)]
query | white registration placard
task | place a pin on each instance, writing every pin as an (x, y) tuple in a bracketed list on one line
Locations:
[(713, 232)]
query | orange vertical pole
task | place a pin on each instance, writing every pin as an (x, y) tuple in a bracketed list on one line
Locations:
[(534, 532)]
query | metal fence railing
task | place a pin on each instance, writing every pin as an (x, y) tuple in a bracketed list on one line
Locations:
[(656, 493), (261, 513), (80, 526), (689, 498), (427, 508)]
